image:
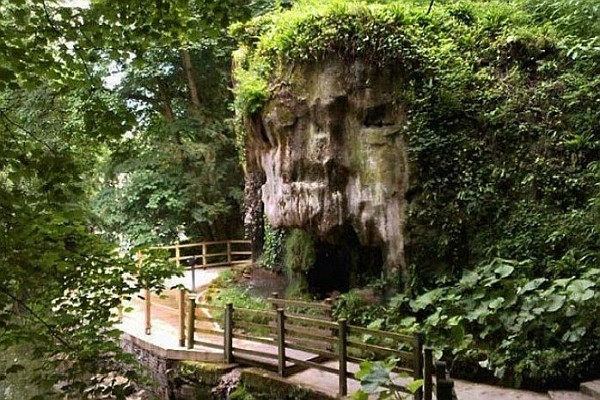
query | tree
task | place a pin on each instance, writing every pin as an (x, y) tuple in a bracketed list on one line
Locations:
[(59, 123), (178, 170), (60, 280)]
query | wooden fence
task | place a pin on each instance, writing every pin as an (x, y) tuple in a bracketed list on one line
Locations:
[(223, 253), (287, 342), (210, 254)]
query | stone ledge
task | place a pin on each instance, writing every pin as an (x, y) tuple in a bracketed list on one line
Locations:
[(279, 388), (203, 355)]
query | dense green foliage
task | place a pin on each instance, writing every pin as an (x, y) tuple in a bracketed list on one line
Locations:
[(175, 173), (273, 248), (229, 288), (61, 119), (178, 172), (61, 282), (502, 106), (378, 379)]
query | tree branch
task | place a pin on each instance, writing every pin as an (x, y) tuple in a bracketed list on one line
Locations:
[(26, 131), (77, 50), (166, 99), (48, 327), (430, 6), (189, 73)]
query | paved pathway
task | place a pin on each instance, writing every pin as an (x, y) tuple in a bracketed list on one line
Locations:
[(202, 277)]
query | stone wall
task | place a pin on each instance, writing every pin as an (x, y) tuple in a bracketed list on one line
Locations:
[(179, 380)]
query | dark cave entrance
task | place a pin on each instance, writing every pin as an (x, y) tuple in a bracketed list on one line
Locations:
[(342, 263)]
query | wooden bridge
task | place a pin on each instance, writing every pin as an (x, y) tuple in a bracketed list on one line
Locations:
[(292, 336)]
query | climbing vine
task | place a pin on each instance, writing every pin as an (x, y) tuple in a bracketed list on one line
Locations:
[(273, 248)]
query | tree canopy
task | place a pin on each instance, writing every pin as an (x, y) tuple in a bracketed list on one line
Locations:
[(113, 125)]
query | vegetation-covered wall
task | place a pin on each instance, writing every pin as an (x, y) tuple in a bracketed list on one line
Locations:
[(501, 105)]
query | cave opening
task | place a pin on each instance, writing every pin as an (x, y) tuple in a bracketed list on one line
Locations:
[(342, 263)]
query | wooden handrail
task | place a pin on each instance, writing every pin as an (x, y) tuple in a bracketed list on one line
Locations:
[(299, 303), (312, 321), (286, 338), (224, 256), (199, 244)]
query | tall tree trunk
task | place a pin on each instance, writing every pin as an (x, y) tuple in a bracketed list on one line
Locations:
[(191, 82), (170, 118), (167, 111)]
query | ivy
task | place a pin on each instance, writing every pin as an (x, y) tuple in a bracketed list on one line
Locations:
[(273, 248)]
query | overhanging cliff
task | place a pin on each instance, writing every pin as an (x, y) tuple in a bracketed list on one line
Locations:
[(331, 144)]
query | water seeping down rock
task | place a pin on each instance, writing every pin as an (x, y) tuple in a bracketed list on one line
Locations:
[(330, 148)]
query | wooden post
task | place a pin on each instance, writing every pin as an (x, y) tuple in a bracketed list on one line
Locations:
[(274, 306), (428, 372), (329, 310), (444, 389), (193, 270), (147, 314), (343, 357), (191, 322), (147, 304), (181, 304), (229, 252), (329, 316), (203, 255), (440, 370), (281, 342), (418, 353), (228, 334)]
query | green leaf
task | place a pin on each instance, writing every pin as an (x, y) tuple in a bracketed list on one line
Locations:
[(360, 395), (531, 285), (415, 385), (504, 270), (426, 299), (555, 302), (469, 279), (579, 290), (496, 303)]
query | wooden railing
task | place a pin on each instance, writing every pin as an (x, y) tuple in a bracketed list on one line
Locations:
[(286, 342), (210, 254), (201, 255)]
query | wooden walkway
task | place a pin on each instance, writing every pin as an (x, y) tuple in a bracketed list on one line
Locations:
[(158, 325), (326, 355), (292, 337), (163, 342)]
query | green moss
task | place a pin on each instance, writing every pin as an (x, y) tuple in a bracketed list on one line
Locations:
[(267, 385), (299, 252), (204, 373), (273, 247), (396, 32)]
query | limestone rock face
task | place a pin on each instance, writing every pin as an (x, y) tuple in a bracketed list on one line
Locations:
[(330, 143)]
